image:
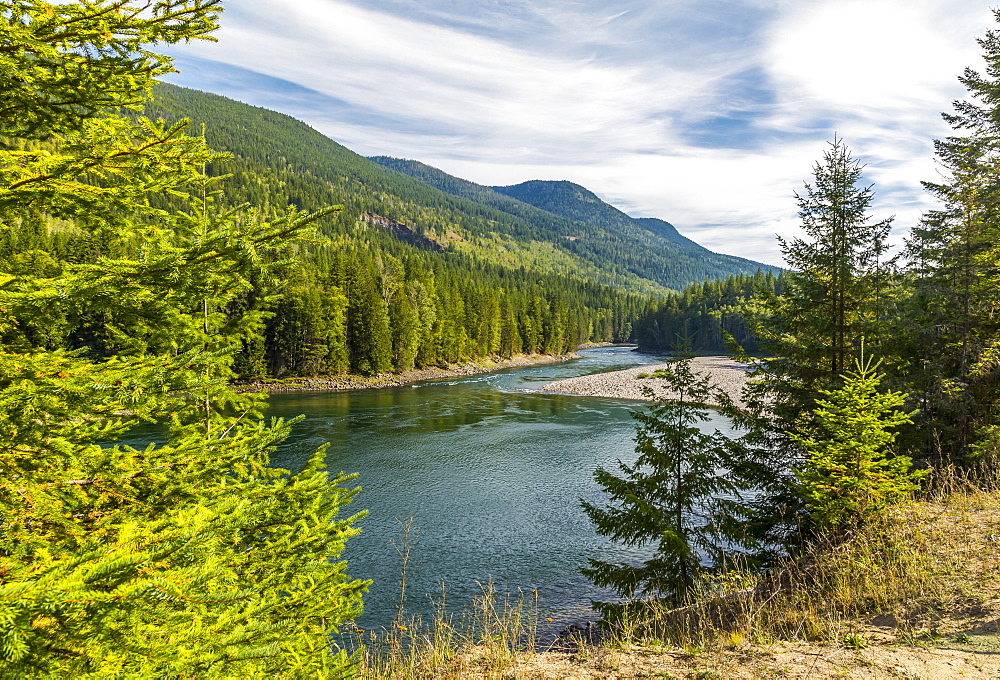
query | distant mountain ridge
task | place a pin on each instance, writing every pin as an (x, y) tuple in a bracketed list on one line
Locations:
[(576, 217), (578, 203)]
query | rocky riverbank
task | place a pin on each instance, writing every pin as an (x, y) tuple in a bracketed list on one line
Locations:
[(361, 382), (728, 375)]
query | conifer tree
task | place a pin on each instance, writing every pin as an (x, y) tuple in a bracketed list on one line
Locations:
[(850, 474), (832, 303), (834, 295), (185, 558), (952, 325), (665, 497)]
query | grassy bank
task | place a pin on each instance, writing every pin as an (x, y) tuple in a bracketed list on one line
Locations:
[(916, 594)]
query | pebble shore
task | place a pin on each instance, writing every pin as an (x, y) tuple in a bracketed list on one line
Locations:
[(358, 382), (727, 375)]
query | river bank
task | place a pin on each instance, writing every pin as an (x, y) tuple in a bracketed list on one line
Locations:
[(728, 375), (915, 595), (362, 382)]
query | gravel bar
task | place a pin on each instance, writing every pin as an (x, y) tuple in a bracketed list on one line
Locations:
[(728, 375), (358, 382)]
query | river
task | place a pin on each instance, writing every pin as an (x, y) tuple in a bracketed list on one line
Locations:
[(490, 470)]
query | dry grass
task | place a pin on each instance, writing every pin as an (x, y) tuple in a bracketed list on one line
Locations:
[(484, 642), (917, 594), (925, 566)]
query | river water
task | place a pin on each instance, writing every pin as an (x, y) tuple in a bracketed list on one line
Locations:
[(491, 471)]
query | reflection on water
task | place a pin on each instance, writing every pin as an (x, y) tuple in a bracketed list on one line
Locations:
[(491, 470)]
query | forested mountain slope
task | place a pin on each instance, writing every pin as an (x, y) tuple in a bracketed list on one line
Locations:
[(280, 161), (574, 219), (578, 203), (409, 276), (424, 270), (582, 205)]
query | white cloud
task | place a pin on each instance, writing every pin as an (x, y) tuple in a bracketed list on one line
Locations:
[(610, 94), (883, 56), (439, 77)]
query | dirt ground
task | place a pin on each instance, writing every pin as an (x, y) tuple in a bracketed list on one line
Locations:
[(782, 660)]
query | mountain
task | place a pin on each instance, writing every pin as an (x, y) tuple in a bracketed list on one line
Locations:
[(578, 203), (407, 276), (416, 269), (550, 228), (667, 231), (573, 218), (575, 202)]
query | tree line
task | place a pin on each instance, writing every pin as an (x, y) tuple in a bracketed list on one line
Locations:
[(707, 316), (349, 310), (359, 307)]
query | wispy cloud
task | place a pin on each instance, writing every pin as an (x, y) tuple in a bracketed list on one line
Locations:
[(706, 113)]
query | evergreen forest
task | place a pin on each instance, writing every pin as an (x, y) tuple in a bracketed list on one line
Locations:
[(404, 274), (159, 246)]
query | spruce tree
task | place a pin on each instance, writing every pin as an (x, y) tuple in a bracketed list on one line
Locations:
[(835, 293), (951, 328), (665, 497), (850, 474), (179, 558), (832, 303)]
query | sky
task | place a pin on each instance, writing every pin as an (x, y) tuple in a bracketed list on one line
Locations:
[(709, 114)]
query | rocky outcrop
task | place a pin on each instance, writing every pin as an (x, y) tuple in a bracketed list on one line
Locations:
[(402, 232)]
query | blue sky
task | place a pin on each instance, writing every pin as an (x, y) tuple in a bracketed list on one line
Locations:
[(705, 113)]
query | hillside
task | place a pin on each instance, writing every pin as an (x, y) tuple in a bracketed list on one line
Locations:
[(280, 160), (424, 269), (578, 203), (575, 219), (408, 276)]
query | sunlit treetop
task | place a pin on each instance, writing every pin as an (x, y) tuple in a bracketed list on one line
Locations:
[(60, 63)]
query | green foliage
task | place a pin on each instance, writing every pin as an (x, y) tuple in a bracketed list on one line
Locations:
[(833, 301), (835, 293), (707, 316), (950, 329), (575, 221), (62, 63), (188, 556), (849, 474), (664, 498)]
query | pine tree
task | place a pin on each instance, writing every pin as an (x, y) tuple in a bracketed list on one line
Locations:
[(664, 499), (832, 303), (951, 327), (850, 474), (190, 557), (370, 338), (834, 295)]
